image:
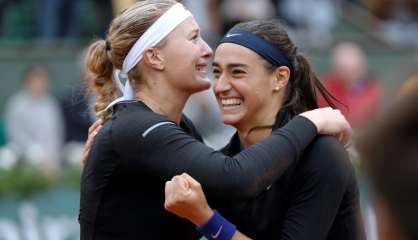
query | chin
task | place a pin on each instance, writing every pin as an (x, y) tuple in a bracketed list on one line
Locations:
[(201, 85), (231, 119)]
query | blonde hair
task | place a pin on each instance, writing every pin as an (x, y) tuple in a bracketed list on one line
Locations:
[(103, 56)]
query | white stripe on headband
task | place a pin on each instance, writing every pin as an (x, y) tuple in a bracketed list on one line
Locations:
[(151, 37)]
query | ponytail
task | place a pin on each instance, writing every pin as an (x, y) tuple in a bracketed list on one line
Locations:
[(103, 56), (303, 85), (302, 89), (99, 71)]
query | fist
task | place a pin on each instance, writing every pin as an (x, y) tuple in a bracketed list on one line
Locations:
[(185, 198)]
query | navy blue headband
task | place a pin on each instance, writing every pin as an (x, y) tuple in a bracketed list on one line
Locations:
[(262, 47)]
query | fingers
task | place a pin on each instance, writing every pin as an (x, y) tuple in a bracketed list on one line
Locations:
[(181, 183), (84, 158), (86, 151), (345, 134), (192, 182), (178, 185), (93, 131), (96, 124), (168, 195), (348, 137), (92, 135), (176, 191)]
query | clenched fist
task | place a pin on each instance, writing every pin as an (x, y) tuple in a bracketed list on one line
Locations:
[(185, 198)]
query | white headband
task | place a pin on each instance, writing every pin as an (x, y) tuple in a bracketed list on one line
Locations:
[(151, 37)]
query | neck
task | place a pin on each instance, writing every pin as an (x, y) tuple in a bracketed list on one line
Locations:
[(251, 132), (163, 99), (249, 138)]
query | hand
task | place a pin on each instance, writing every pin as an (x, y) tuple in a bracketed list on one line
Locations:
[(330, 121), (93, 130), (185, 198)]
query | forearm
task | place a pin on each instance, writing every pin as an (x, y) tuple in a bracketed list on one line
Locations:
[(239, 236), (218, 234)]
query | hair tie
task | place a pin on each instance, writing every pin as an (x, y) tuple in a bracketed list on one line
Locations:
[(108, 45)]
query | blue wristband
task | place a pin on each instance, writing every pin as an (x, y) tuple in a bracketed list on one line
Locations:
[(217, 227)]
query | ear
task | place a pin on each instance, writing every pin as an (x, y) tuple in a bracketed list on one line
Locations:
[(153, 58), (282, 76)]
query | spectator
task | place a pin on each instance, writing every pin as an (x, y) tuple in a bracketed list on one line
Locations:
[(78, 116), (399, 24), (3, 4), (351, 83), (104, 13), (313, 29), (226, 13), (59, 18), (33, 121), (390, 152)]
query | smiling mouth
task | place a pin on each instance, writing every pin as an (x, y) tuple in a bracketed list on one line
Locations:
[(231, 102), (202, 69)]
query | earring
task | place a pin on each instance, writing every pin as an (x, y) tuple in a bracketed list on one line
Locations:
[(277, 88)]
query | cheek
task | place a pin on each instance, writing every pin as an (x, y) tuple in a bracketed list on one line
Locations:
[(256, 98)]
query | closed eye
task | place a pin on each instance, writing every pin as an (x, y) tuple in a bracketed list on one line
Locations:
[(195, 37), (238, 72), (216, 72)]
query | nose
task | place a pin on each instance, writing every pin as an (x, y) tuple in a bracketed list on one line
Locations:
[(206, 50), (221, 84)]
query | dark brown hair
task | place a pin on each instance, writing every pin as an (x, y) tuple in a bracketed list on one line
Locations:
[(301, 92)]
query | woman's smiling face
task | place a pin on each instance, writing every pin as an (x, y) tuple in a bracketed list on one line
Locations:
[(243, 86)]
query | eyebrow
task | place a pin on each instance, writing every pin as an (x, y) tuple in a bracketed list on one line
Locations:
[(230, 65)]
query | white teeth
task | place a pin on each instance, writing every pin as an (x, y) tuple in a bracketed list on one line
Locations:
[(231, 101), (201, 68)]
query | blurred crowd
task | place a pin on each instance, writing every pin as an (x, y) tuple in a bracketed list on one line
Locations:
[(49, 131), (395, 22)]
